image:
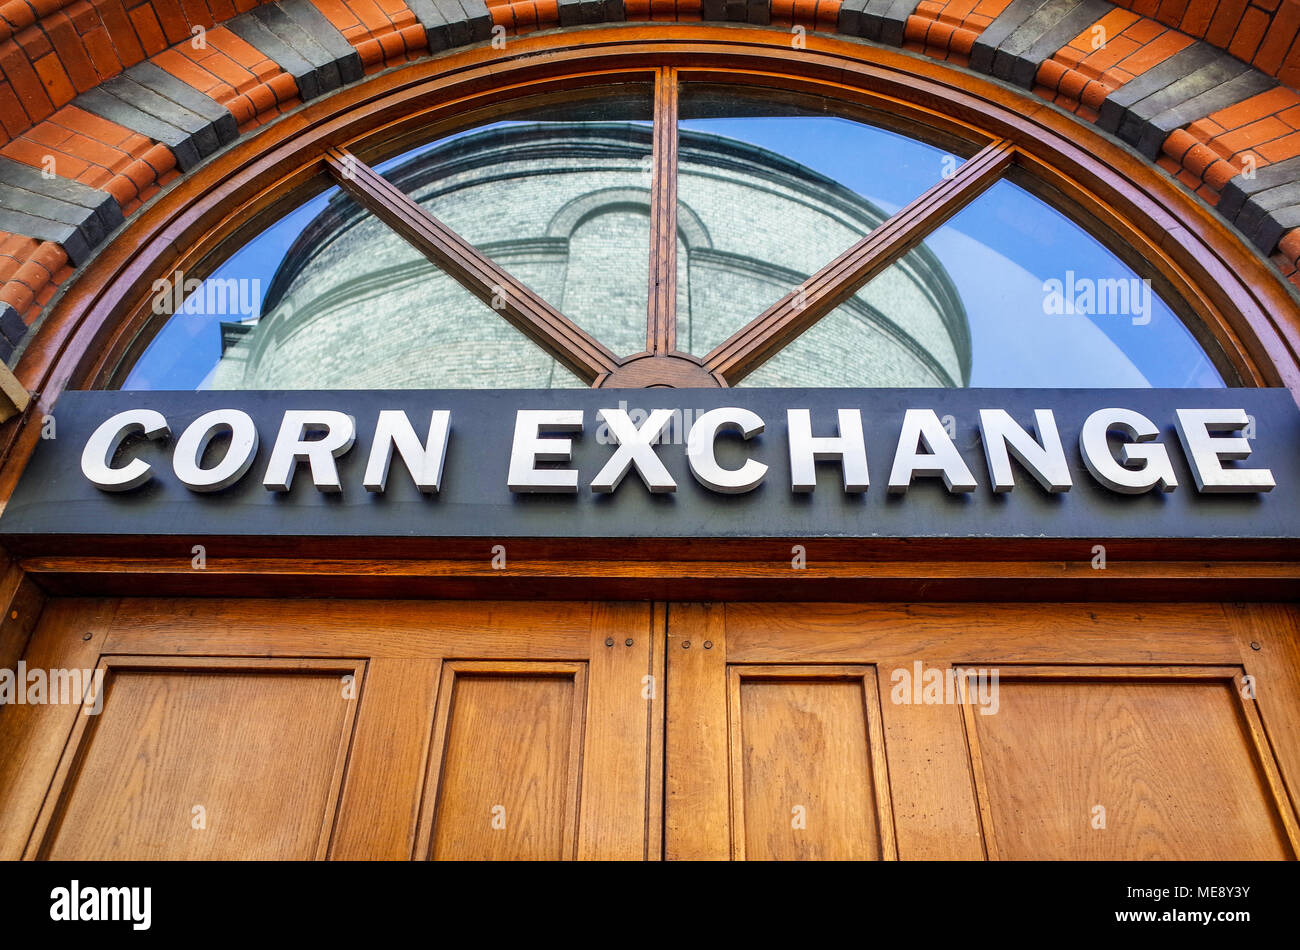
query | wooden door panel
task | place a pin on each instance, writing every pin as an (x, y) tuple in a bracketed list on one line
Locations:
[(935, 814), (806, 744), (217, 760), (697, 751), (34, 737), (1091, 708), (377, 814), (504, 773), (517, 730), (1125, 763), (454, 708)]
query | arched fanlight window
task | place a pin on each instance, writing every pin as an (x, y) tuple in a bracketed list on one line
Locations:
[(790, 240)]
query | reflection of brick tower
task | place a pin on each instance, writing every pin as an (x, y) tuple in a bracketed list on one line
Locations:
[(565, 207)]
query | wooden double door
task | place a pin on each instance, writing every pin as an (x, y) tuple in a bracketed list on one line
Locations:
[(404, 729)]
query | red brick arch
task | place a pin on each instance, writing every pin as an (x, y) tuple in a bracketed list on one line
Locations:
[(55, 54)]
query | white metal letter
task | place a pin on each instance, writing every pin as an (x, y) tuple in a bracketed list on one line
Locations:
[(940, 458), (805, 451), (635, 447), (338, 432), (1206, 452), (188, 457), (704, 464), (1003, 437), (424, 462), (529, 449), (97, 457), (1140, 467)]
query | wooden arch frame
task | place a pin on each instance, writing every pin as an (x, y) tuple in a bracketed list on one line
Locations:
[(1234, 302)]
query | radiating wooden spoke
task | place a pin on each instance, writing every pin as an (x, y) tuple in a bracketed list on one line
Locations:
[(731, 361), (512, 298), (661, 329), (794, 313)]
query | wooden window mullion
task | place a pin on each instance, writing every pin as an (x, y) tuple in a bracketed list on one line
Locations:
[(661, 326), (518, 304), (743, 352), (821, 293)]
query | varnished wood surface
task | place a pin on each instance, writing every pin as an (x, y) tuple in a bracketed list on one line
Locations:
[(380, 805), (979, 633), (752, 574), (405, 656), (626, 674), (661, 322), (545, 711), (1132, 766), (503, 781), (397, 629), (936, 815), (21, 603), (697, 753), (212, 759), (70, 635), (1268, 637), (963, 784), (808, 765)]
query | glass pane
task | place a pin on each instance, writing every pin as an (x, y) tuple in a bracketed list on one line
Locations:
[(1009, 293), (329, 297), (770, 191), (559, 196)]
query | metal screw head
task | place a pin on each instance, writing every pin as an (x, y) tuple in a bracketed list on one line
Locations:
[(686, 644), (609, 641), (86, 636), (1254, 645), (627, 642), (708, 644)]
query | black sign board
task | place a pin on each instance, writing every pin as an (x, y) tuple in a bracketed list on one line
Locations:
[(55, 498)]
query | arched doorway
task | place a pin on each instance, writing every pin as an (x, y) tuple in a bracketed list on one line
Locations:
[(710, 697)]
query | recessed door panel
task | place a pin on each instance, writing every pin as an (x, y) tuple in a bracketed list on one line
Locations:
[(1125, 764), (805, 783), (206, 760), (506, 774)]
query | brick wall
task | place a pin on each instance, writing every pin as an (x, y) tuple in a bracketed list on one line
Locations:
[(71, 47), (234, 74), (30, 272), (121, 95), (948, 30), (385, 32), (1260, 32), (1102, 58)]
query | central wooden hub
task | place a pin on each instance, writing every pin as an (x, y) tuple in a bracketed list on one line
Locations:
[(666, 371)]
